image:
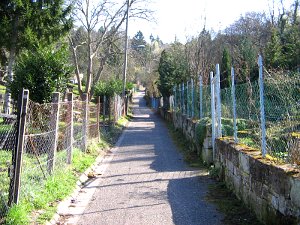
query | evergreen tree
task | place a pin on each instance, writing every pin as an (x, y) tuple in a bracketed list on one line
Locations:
[(225, 69), (26, 24)]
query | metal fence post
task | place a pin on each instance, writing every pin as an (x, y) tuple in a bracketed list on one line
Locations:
[(54, 123), (70, 117), (85, 113), (193, 101), (174, 97), (262, 107), (104, 107), (14, 191), (212, 112), (98, 116), (218, 98), (233, 105), (183, 105), (187, 100), (200, 97), (180, 100)]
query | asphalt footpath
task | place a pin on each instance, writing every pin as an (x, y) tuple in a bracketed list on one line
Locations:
[(143, 180)]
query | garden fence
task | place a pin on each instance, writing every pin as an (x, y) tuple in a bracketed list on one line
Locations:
[(262, 113), (41, 141)]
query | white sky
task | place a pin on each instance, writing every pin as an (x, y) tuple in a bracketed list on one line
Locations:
[(186, 18)]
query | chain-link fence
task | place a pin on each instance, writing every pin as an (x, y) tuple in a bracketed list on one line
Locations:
[(39, 143), (52, 130), (282, 112), (192, 99), (263, 114), (247, 106), (8, 132)]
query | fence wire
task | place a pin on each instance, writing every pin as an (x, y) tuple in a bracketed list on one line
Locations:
[(247, 113), (39, 143), (189, 101), (64, 142), (282, 111), (78, 133), (93, 121), (8, 132)]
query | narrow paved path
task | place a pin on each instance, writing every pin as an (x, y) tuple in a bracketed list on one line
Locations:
[(145, 180)]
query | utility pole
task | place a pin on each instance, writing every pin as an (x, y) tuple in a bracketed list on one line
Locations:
[(125, 59)]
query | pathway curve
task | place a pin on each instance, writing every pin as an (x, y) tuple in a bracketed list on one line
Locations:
[(145, 181)]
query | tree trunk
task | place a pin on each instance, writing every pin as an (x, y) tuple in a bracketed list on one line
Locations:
[(11, 63), (75, 61), (90, 65)]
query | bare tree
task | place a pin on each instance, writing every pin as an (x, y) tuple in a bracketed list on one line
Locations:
[(102, 23)]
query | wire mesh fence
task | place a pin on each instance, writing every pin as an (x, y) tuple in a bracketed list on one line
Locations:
[(194, 101), (262, 114), (247, 113), (78, 124), (282, 111), (37, 142), (8, 132), (39, 148)]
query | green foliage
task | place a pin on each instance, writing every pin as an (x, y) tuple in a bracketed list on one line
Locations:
[(173, 68), (111, 87), (273, 50), (17, 214), (42, 71), (249, 54), (45, 195), (129, 86), (283, 49), (225, 69), (108, 88), (31, 22)]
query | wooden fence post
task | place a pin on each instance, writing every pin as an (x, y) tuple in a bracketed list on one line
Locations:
[(85, 112), (54, 124), (70, 118), (17, 155)]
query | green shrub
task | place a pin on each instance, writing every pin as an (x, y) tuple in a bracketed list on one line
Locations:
[(42, 71)]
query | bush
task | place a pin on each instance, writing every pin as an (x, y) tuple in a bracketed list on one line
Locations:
[(111, 87), (42, 71)]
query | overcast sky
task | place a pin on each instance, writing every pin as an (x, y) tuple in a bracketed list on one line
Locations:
[(186, 18)]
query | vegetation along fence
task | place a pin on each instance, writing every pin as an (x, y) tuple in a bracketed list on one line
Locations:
[(41, 140), (262, 113)]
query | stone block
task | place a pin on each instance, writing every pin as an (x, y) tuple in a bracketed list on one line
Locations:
[(256, 187), (207, 143), (244, 162), (230, 166), (266, 192), (295, 191), (259, 171), (237, 181), (246, 181), (274, 201), (282, 205), (278, 181)]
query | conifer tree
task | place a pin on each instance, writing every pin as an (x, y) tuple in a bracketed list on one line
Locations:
[(26, 24)]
